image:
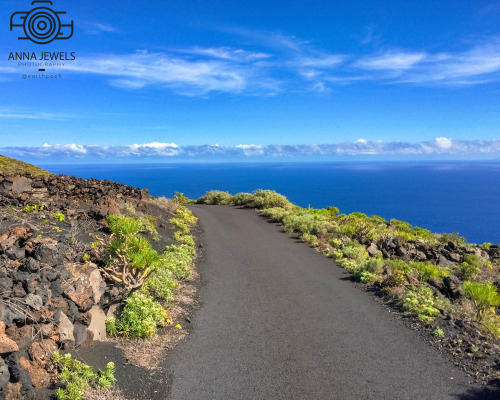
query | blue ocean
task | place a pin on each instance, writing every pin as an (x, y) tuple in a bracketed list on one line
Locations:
[(461, 197)]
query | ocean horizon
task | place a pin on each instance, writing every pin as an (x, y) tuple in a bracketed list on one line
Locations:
[(443, 196)]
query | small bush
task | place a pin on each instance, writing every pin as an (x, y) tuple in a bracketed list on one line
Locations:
[(364, 276), (59, 216), (420, 302), (242, 199), (215, 197), (374, 265), (399, 265), (268, 199), (77, 377), (428, 271), (483, 295), (471, 266), (122, 225), (311, 239), (140, 317)]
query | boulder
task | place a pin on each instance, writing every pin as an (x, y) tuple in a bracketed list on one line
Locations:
[(80, 333), (64, 327), (373, 249), (20, 185), (444, 262), (98, 323), (453, 286), (10, 314), (34, 301), (86, 287)]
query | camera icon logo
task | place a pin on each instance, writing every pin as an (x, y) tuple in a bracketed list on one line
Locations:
[(41, 25)]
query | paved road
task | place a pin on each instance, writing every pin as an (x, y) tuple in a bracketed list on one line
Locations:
[(280, 321)]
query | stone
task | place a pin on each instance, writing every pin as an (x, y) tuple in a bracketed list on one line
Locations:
[(80, 333), (7, 345), (47, 252), (6, 285), (9, 314), (98, 323), (453, 286), (16, 253), (47, 330), (21, 184), (455, 257), (64, 327), (9, 242), (401, 251), (32, 265), (42, 351), (444, 262), (22, 335), (87, 286), (18, 290), (112, 311), (34, 301), (21, 232), (373, 249)]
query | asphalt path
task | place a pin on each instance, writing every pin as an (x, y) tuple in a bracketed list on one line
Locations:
[(280, 321)]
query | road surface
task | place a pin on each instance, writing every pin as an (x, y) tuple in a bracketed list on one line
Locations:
[(280, 321)]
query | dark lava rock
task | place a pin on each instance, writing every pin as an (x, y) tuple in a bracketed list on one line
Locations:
[(18, 374), (453, 286)]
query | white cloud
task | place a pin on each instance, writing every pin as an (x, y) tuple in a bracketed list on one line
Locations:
[(392, 61), (438, 146)]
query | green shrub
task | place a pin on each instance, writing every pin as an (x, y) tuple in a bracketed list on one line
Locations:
[(483, 295), (178, 259), (428, 271), (77, 377), (455, 238), (305, 224), (364, 276), (486, 246), (355, 257), (268, 199), (399, 265), (276, 214), (471, 266), (36, 207), (122, 225), (140, 317), (374, 265), (215, 197), (242, 199), (59, 216), (180, 199), (311, 239), (420, 301)]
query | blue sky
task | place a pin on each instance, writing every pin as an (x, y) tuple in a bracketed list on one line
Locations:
[(165, 80)]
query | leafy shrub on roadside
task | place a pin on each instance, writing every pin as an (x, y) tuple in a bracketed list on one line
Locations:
[(139, 319), (242, 199), (311, 239), (215, 197), (268, 199), (420, 301), (77, 377), (428, 271)]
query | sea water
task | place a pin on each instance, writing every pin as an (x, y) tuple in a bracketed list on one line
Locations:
[(461, 197)]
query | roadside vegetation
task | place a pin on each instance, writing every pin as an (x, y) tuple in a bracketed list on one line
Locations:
[(149, 277), (432, 276)]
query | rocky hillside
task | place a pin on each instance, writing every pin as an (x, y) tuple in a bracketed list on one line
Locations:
[(53, 293)]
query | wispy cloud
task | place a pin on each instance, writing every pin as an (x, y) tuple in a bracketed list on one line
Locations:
[(183, 75), (96, 28), (438, 146), (283, 63), (5, 113)]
